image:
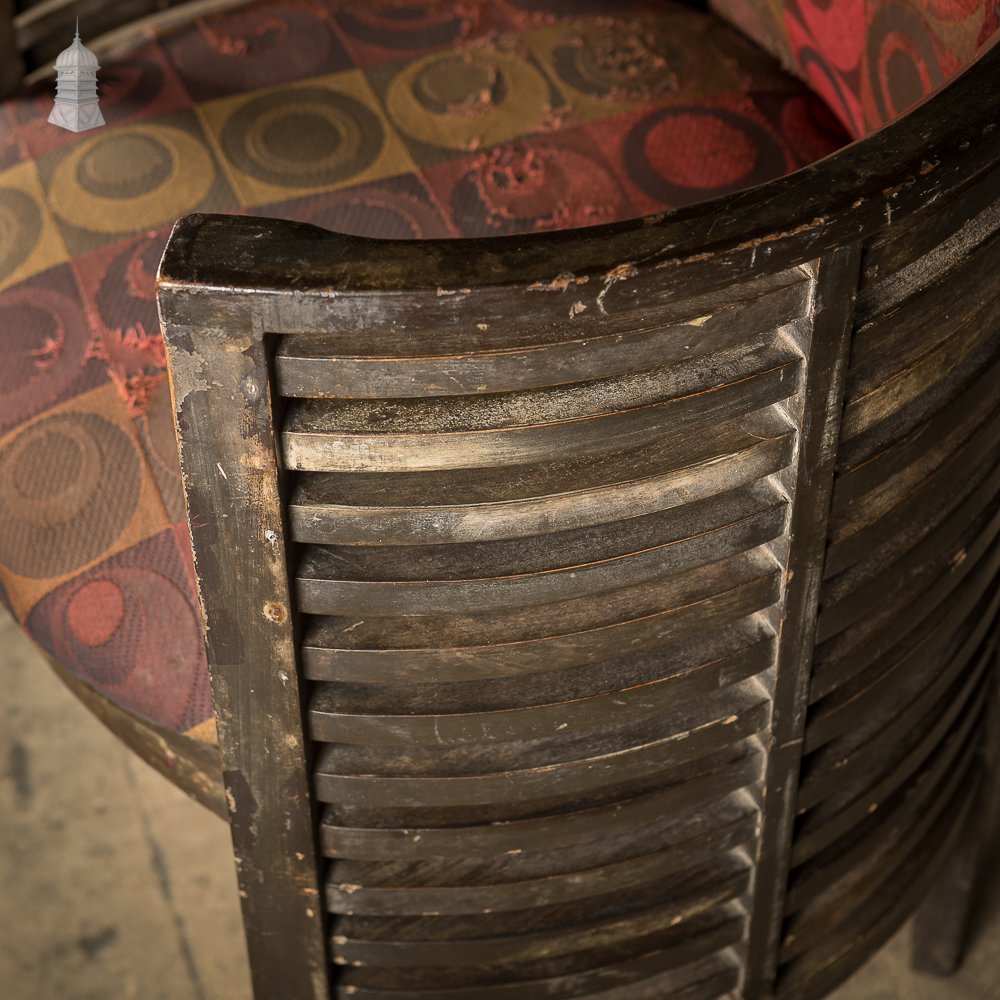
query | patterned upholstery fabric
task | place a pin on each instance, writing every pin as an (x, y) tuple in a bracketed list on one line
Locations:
[(870, 60), (449, 118)]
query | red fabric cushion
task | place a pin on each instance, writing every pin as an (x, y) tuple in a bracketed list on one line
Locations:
[(870, 60), (449, 118)]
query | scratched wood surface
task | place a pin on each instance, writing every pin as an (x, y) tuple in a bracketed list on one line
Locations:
[(904, 668), (619, 604)]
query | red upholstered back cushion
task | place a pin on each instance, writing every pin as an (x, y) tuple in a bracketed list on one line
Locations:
[(870, 60)]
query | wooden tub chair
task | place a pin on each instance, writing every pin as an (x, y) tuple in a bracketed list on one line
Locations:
[(591, 610)]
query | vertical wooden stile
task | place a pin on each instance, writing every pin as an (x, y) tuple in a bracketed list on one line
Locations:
[(230, 467), (826, 348)]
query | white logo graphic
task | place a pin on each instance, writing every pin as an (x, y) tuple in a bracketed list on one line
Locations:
[(76, 106)]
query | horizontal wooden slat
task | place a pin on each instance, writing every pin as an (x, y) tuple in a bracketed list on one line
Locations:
[(385, 364), (690, 893), (890, 464), (361, 897), (814, 974), (877, 835), (888, 734), (408, 842), (539, 750), (889, 582), (817, 831), (898, 246), (466, 505), (928, 624), (925, 568), (881, 396), (702, 671), (892, 341), (842, 903), (554, 551), (688, 971), (876, 695), (474, 579), (936, 264), (413, 435), (958, 376), (459, 648), (675, 832), (555, 782), (675, 661), (937, 484)]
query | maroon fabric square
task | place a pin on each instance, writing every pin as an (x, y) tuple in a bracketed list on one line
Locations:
[(48, 360), (118, 283), (555, 181), (131, 88), (380, 33), (261, 45)]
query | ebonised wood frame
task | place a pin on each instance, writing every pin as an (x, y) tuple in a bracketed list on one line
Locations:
[(612, 612)]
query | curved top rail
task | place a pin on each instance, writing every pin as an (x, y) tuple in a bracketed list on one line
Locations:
[(868, 186)]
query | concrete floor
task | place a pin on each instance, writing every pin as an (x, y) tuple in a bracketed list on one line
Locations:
[(114, 885)]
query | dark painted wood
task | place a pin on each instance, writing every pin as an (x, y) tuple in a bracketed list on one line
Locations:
[(480, 504), (616, 877), (356, 365), (328, 436), (845, 947), (692, 970), (725, 776), (230, 472), (942, 926), (330, 719), (664, 590), (874, 741), (877, 838), (826, 348), (818, 829), (591, 629)]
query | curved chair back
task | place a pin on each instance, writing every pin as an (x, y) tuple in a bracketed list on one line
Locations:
[(622, 600)]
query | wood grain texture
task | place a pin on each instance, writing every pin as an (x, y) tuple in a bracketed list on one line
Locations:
[(819, 407), (631, 533), (691, 591), (907, 626), (220, 383)]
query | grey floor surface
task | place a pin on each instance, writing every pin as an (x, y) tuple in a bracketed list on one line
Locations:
[(114, 885)]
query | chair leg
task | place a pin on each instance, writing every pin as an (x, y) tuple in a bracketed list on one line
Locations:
[(941, 926)]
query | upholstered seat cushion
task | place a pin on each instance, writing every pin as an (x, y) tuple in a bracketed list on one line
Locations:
[(870, 60), (451, 118)]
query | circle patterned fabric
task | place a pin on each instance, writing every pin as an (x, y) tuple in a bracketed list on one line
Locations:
[(870, 60), (388, 119)]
